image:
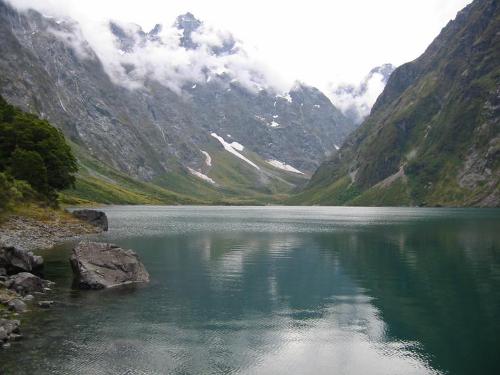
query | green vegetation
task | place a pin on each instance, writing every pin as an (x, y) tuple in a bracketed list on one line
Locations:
[(35, 160), (437, 121)]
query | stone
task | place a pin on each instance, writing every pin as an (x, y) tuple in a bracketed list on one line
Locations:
[(28, 298), (45, 304), (99, 265), (3, 334), (17, 305), (6, 345), (26, 283), (94, 217), (14, 260), (10, 326), (3, 271), (15, 336)]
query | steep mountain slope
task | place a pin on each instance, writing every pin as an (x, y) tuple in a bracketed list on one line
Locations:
[(167, 128), (433, 135)]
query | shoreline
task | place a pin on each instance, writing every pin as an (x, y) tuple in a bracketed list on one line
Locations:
[(31, 234), (24, 290)]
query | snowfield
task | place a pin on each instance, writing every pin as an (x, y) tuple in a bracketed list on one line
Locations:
[(233, 148), (201, 175), (284, 166)]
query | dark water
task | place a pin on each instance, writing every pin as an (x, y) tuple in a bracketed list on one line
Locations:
[(281, 291)]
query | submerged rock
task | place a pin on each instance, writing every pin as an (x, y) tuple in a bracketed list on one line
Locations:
[(94, 217), (9, 330), (26, 283), (14, 260), (17, 305), (45, 304), (99, 265)]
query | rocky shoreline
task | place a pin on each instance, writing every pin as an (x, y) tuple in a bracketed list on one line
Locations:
[(30, 234), (21, 287), (20, 290)]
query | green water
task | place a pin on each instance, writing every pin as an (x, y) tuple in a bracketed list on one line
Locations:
[(276, 290)]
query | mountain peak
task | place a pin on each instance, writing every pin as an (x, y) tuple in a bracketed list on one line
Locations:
[(187, 23), (187, 19)]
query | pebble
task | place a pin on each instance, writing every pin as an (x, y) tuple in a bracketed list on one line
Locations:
[(45, 304)]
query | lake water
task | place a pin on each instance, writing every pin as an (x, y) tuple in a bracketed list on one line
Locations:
[(280, 290)]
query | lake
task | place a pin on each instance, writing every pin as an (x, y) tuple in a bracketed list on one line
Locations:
[(280, 290)]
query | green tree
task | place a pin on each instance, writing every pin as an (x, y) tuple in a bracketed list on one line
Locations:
[(29, 166), (34, 151)]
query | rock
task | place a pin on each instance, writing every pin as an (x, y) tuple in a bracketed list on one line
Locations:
[(94, 217), (17, 305), (99, 265), (3, 271), (15, 336), (3, 334), (6, 345), (26, 283), (45, 304), (28, 298), (14, 260), (10, 326)]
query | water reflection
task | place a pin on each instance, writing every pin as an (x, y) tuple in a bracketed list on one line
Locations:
[(283, 291)]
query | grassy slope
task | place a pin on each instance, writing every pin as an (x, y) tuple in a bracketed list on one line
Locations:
[(237, 183), (100, 183)]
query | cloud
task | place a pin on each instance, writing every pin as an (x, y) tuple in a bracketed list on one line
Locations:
[(356, 101), (316, 42), (131, 56)]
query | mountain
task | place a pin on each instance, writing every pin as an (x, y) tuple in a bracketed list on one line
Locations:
[(432, 137), (356, 101), (183, 107)]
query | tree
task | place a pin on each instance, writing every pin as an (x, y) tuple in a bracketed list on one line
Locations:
[(29, 166), (34, 151)]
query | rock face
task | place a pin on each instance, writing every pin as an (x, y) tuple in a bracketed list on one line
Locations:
[(96, 218), (14, 260), (100, 265), (154, 130)]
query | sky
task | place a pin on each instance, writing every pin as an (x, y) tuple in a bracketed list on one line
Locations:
[(318, 42)]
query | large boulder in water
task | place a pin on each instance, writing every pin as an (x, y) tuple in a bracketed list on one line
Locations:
[(15, 260), (94, 217), (99, 265)]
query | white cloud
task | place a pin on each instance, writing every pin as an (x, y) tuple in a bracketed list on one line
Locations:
[(315, 42), (356, 101)]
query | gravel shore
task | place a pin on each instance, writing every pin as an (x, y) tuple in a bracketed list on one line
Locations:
[(31, 234)]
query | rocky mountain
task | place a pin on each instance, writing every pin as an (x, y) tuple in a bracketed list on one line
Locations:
[(432, 137), (178, 106), (356, 101)]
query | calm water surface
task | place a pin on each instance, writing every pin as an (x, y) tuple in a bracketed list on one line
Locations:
[(277, 290)]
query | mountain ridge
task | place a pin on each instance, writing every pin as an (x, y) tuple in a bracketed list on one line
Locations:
[(432, 137), (153, 132)]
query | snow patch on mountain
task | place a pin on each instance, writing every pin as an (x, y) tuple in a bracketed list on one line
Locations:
[(274, 124), (233, 148), (286, 167), (201, 175), (208, 158)]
